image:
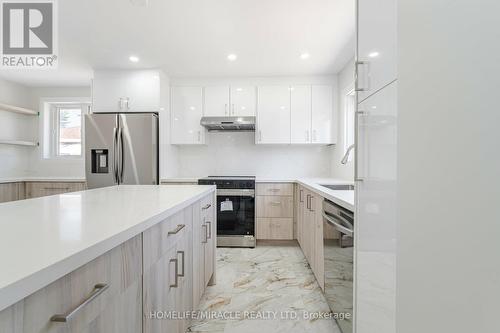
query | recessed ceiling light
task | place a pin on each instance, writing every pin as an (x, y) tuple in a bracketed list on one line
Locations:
[(373, 54), (133, 58), (305, 55), (232, 57)]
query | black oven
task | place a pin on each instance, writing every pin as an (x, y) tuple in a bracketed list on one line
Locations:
[(235, 210)]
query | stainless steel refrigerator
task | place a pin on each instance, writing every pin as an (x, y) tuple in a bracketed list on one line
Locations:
[(121, 148)]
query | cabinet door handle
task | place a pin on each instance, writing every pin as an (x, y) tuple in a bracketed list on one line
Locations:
[(300, 196), (127, 103), (311, 204), (98, 290), (176, 283), (176, 230), (308, 201), (357, 145), (207, 206), (361, 77), (183, 256), (209, 230), (205, 233)]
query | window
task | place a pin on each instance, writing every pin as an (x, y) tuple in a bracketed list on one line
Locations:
[(349, 121), (69, 131), (63, 129)]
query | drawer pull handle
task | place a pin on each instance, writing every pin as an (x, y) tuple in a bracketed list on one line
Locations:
[(176, 230), (63, 318), (182, 253), (209, 229), (207, 206), (176, 283), (275, 203), (274, 189)]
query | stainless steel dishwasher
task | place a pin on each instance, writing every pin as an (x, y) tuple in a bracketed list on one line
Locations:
[(338, 232)]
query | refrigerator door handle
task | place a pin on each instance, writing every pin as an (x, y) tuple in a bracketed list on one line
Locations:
[(115, 152), (120, 155)]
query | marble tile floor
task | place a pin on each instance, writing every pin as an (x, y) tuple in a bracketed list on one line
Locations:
[(270, 280)]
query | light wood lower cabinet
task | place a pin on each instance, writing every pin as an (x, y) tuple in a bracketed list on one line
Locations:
[(279, 228), (309, 206), (210, 242), (41, 189), (162, 271), (117, 308), (11, 191), (274, 212), (179, 262)]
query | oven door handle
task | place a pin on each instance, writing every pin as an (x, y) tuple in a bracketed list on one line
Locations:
[(331, 219), (236, 193)]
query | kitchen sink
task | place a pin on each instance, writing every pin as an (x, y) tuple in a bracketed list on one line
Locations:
[(340, 187)]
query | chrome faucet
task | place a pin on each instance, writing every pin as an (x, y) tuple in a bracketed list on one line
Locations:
[(347, 153)]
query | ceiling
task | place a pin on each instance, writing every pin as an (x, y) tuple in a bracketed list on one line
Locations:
[(192, 38)]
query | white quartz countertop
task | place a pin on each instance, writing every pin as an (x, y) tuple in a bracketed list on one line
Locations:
[(45, 238), (342, 198)]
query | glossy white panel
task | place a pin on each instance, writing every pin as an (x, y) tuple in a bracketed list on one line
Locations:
[(126, 91), (216, 101), (243, 100), (273, 117), (324, 128), (376, 45), (376, 213), (187, 110), (301, 114)]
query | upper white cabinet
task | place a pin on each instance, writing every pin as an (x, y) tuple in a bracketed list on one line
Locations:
[(243, 101), (323, 124), (187, 110), (217, 101), (126, 91), (300, 114), (235, 101), (312, 115), (273, 114), (376, 45)]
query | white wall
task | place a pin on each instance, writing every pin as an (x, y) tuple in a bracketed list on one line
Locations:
[(14, 159), (448, 254), (237, 154), (346, 83), (168, 152), (65, 168)]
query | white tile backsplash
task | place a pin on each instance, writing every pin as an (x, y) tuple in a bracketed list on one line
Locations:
[(235, 153)]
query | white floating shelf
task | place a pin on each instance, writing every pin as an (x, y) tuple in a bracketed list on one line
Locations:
[(19, 143), (17, 109)]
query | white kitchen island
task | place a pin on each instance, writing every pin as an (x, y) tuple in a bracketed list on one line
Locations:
[(44, 241)]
